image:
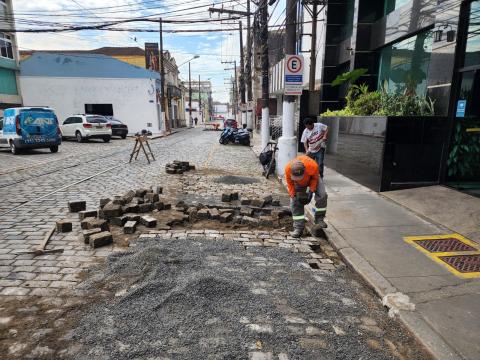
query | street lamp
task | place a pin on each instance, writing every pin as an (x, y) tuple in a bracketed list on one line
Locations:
[(190, 88)]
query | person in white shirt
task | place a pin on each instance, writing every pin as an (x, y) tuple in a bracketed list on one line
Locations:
[(314, 138)]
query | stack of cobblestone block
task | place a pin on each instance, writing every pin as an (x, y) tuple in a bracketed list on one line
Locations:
[(127, 211), (255, 212), (179, 167)]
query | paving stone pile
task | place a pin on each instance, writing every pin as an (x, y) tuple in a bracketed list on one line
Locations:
[(199, 297), (178, 167), (143, 207), (127, 211)]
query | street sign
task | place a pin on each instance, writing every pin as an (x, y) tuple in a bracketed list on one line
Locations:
[(294, 74), (461, 108)]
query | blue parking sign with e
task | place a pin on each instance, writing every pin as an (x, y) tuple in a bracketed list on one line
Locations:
[(461, 108)]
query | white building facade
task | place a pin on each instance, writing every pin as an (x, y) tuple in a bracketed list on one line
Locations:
[(98, 84)]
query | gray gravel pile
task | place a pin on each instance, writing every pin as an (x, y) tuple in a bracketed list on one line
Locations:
[(206, 299)]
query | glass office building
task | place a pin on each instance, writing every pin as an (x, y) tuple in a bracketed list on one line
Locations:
[(424, 47)]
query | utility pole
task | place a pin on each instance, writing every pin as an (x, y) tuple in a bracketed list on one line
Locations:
[(314, 12), (189, 95), (287, 144), (235, 87), (248, 70), (313, 55), (162, 82), (200, 98), (243, 107), (265, 76)]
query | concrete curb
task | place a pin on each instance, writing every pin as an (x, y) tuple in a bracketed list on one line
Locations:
[(412, 320)]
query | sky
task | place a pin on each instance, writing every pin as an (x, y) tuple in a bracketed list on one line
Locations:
[(213, 48)]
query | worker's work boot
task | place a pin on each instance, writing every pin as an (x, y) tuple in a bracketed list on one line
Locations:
[(296, 233), (320, 222)]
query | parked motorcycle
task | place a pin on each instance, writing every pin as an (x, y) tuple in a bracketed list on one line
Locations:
[(231, 135)]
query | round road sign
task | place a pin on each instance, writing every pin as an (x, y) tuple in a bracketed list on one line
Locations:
[(294, 64)]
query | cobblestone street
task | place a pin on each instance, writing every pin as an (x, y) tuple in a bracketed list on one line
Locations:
[(312, 306)]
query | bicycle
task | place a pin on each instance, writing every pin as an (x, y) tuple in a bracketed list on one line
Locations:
[(267, 158)]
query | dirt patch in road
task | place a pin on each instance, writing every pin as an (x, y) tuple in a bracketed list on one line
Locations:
[(39, 328), (236, 180)]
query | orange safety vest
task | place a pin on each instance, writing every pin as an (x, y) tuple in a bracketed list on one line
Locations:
[(310, 177)]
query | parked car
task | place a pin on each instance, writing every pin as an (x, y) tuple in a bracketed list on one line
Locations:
[(232, 123), (85, 127), (30, 128), (118, 128)]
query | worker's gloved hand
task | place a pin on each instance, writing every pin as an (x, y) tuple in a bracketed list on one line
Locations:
[(303, 197)]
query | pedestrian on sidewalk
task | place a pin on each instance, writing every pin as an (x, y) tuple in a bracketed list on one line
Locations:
[(303, 181), (314, 138), (196, 121)]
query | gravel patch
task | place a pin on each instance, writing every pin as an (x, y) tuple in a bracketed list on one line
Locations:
[(199, 298), (236, 180)]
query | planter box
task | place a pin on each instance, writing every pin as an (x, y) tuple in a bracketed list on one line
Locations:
[(387, 153)]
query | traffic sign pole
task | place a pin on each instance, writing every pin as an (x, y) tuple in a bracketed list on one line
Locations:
[(287, 144)]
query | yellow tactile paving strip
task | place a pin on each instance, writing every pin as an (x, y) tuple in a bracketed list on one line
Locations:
[(437, 256)]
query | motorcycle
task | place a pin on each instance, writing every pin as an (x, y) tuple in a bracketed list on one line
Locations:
[(231, 135)]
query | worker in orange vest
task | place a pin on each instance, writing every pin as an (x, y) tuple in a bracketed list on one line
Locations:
[(303, 180)]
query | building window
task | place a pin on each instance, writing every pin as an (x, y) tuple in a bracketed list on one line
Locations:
[(472, 54), (404, 65), (3, 8), (6, 49), (392, 5)]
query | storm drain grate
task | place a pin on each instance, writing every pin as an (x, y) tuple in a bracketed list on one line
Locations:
[(463, 263), (444, 245)]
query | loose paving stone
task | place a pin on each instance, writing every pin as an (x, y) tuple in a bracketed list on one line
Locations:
[(148, 221), (101, 239), (129, 196), (144, 208), (130, 227), (87, 233), (204, 214), (140, 193), (258, 203), (112, 210), (87, 214), (63, 226), (119, 200), (226, 217), (130, 208), (104, 201), (245, 201), (120, 220), (93, 223), (152, 197), (77, 206)]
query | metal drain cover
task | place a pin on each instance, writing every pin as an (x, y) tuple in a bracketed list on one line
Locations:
[(444, 245), (463, 263)]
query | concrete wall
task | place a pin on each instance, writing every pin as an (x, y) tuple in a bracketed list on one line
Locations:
[(133, 100)]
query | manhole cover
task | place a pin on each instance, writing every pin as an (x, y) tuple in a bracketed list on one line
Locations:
[(236, 180), (444, 245), (463, 263)]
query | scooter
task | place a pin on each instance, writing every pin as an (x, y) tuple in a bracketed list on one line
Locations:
[(241, 137)]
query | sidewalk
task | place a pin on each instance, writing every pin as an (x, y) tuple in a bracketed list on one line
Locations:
[(368, 229)]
